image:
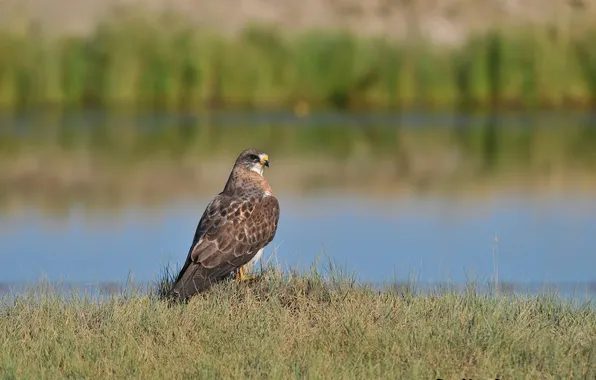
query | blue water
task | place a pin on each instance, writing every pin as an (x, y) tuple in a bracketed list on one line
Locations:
[(539, 239)]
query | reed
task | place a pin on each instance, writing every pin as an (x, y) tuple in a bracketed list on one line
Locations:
[(161, 64)]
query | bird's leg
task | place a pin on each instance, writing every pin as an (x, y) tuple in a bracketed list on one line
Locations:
[(242, 276)]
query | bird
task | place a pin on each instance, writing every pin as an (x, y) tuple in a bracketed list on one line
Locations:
[(234, 229)]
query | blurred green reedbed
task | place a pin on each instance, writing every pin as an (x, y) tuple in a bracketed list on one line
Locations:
[(128, 61)]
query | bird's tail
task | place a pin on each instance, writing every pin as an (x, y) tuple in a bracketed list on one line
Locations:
[(194, 278), (191, 280)]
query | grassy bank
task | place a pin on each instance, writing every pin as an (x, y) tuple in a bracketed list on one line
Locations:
[(127, 62), (298, 327)]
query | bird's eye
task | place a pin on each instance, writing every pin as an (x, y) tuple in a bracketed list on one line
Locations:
[(254, 157)]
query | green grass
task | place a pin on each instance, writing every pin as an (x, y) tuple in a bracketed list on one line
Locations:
[(298, 326), (166, 64)]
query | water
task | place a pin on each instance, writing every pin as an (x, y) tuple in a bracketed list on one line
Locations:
[(539, 240), (525, 237)]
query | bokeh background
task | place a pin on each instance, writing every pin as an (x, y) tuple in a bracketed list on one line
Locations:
[(436, 140)]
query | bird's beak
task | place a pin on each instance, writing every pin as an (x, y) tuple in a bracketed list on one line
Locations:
[(265, 161)]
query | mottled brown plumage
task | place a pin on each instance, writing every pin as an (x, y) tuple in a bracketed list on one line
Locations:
[(236, 224)]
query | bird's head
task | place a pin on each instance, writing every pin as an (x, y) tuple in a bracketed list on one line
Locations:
[(253, 160)]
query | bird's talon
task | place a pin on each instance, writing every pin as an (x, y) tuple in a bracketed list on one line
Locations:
[(241, 275)]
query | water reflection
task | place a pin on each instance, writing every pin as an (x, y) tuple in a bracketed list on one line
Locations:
[(113, 160)]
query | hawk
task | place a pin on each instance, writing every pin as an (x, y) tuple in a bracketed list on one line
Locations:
[(235, 228)]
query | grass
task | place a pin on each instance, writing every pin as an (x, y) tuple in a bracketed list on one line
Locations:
[(299, 325), (135, 62)]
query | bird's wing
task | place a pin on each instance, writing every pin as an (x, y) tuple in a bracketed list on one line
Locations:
[(230, 233)]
